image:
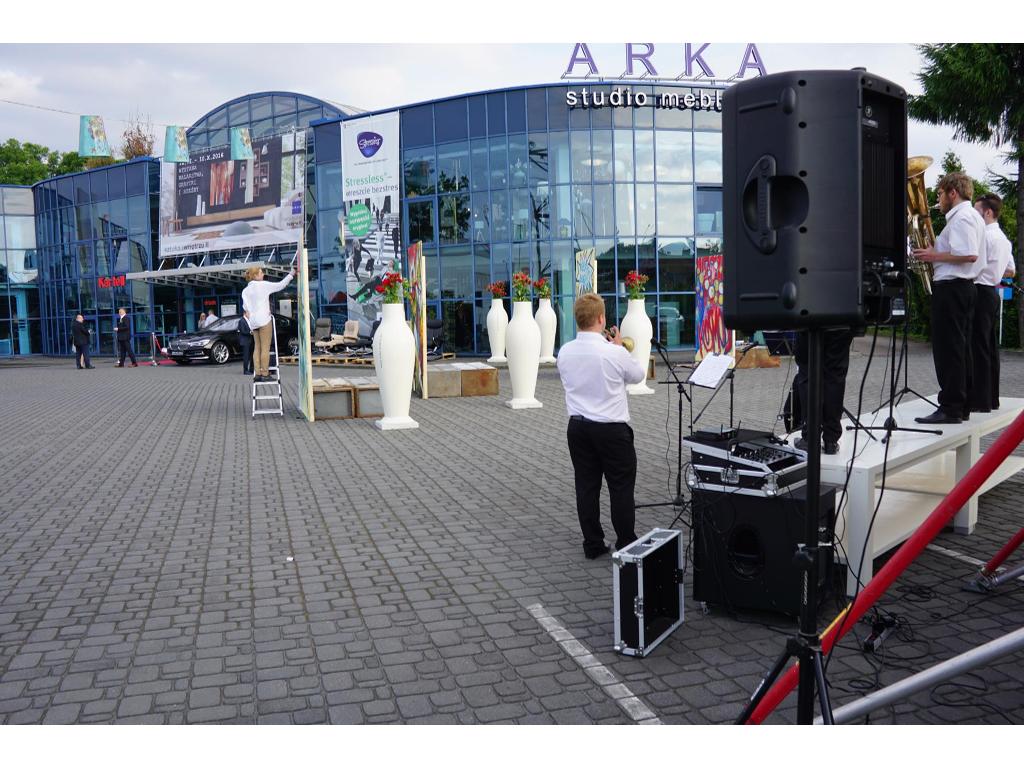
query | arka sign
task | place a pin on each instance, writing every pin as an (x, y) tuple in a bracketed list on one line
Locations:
[(639, 62)]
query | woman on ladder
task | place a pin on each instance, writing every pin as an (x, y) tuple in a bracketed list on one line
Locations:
[(256, 302)]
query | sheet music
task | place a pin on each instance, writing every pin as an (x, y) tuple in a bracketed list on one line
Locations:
[(710, 371)]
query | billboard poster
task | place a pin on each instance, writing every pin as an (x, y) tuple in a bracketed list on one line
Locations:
[(214, 203), (586, 271), (369, 223), (305, 360), (712, 335), (418, 311)]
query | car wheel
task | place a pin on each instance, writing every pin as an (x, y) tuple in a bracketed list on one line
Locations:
[(183, 362), (220, 353)]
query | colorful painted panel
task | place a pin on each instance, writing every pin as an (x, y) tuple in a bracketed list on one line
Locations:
[(712, 335)]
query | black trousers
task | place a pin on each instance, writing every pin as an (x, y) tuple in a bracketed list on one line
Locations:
[(123, 348), (600, 449), (984, 394), (952, 319), (835, 364), (245, 342), (82, 353)]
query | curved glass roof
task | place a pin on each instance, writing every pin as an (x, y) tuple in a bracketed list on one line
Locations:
[(265, 114)]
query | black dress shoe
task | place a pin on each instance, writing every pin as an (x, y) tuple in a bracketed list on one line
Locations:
[(831, 447), (596, 553), (939, 417), (90, 367)]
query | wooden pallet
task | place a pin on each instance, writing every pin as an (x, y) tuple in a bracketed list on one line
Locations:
[(330, 360)]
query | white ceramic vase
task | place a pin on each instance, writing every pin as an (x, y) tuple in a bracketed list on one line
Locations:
[(637, 326), (394, 358), (547, 321), (497, 324), (522, 346)]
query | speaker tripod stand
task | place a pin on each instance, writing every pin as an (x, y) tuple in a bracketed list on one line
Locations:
[(806, 645)]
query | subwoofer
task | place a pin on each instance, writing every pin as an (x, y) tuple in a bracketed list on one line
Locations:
[(814, 196), (743, 548)]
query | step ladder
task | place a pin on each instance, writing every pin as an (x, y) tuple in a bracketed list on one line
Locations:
[(266, 395)]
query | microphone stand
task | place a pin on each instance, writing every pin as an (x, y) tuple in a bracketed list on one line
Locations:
[(678, 502)]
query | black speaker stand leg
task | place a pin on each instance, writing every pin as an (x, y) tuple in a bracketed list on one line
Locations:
[(856, 422), (806, 645)]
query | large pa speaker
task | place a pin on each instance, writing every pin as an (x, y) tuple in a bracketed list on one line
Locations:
[(743, 549), (814, 196)]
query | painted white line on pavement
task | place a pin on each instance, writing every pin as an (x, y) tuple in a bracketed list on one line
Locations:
[(964, 558), (598, 672)]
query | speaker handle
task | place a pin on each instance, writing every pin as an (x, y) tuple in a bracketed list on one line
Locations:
[(759, 228)]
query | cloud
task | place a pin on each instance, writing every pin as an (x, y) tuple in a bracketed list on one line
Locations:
[(18, 87)]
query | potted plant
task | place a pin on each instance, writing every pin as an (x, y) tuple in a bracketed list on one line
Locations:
[(497, 321), (394, 354), (546, 320), (522, 345), (637, 326)]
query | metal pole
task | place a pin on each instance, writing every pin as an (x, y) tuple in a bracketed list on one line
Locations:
[(976, 657)]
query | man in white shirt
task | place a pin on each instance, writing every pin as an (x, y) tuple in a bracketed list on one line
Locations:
[(959, 254), (594, 372), (256, 301), (984, 394), (210, 320)]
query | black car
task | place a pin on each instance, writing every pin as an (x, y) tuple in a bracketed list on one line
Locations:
[(218, 342)]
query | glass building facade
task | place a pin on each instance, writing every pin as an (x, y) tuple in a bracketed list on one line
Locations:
[(493, 183), (517, 180), (20, 332), (92, 228)]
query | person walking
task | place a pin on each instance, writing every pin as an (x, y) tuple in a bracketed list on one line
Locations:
[(80, 334), (245, 342), (256, 304), (124, 338), (595, 370), (202, 321)]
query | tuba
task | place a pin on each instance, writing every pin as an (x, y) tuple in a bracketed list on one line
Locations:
[(919, 220)]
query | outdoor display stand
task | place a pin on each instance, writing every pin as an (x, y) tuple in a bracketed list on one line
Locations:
[(648, 589)]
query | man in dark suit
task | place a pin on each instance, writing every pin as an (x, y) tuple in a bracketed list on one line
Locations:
[(245, 342), (124, 338), (80, 336)]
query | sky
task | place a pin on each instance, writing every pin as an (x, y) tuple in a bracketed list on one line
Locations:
[(177, 84)]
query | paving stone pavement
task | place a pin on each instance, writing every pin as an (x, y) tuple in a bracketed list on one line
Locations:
[(165, 558)]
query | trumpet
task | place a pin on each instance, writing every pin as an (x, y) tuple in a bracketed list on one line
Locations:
[(919, 220), (627, 342)]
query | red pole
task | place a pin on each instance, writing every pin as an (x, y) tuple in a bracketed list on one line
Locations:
[(1002, 554), (912, 547)]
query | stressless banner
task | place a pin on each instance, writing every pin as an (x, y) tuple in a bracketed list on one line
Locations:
[(369, 225)]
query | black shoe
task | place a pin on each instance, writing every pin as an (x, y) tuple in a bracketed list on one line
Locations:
[(79, 367), (831, 447), (596, 553), (119, 365), (90, 367), (939, 417)]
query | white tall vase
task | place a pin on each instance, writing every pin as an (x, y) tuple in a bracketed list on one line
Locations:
[(637, 326), (522, 345), (547, 321), (394, 352), (497, 324)]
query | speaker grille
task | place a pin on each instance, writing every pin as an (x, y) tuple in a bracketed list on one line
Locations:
[(879, 196)]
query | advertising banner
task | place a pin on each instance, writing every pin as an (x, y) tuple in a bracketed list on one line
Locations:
[(369, 224), (214, 203), (418, 312), (712, 335), (305, 359), (92, 137), (176, 144)]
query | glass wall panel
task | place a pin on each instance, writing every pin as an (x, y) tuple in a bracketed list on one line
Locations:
[(480, 231), (496, 114), (647, 264), (583, 211), (522, 214), (421, 221), (540, 211), (515, 110), (675, 155), (536, 109), (453, 167), (450, 120), (561, 211), (417, 126), (707, 150), (644, 141), (558, 112), (518, 160), (604, 210), (477, 116), (17, 202), (499, 216), (625, 261), (625, 210), (456, 272), (453, 219), (498, 162), (457, 318), (420, 172), (709, 212), (538, 151), (581, 161), (671, 111), (563, 269), (481, 271), (708, 119), (138, 213), (676, 320), (623, 156), (135, 178), (20, 232), (559, 158), (328, 185), (605, 266), (645, 210), (675, 264), (675, 209), (602, 157)]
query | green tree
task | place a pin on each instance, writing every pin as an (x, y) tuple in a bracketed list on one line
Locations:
[(28, 163), (975, 88)]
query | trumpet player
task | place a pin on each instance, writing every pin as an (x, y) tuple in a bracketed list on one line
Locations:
[(595, 368), (958, 255), (984, 394)]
